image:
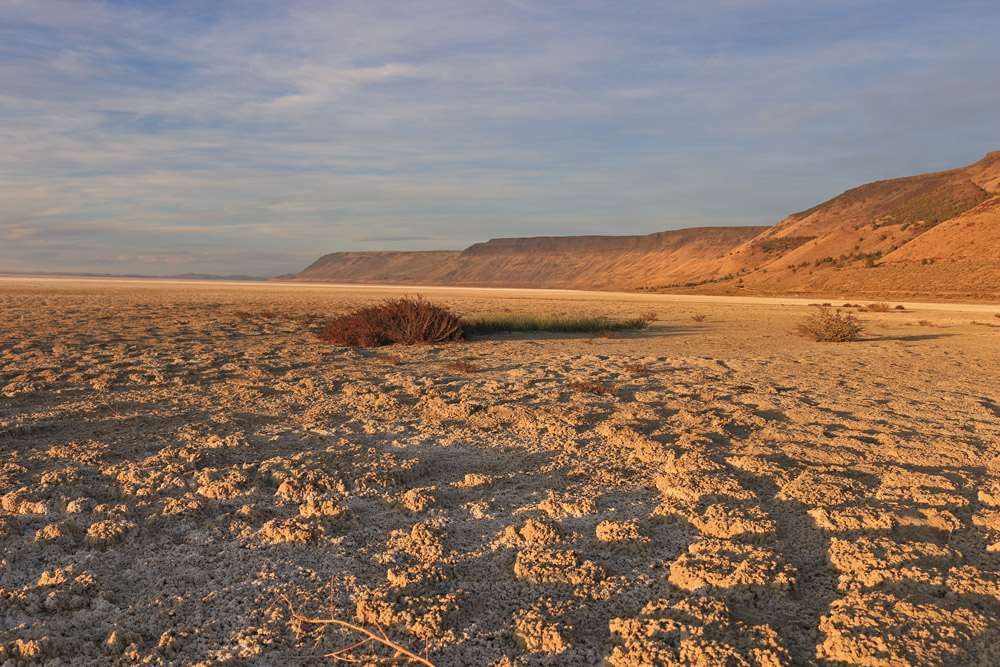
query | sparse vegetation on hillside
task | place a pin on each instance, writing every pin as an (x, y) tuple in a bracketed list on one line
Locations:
[(829, 326), (780, 244), (934, 207), (881, 194)]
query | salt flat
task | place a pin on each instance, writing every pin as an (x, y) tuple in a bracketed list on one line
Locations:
[(176, 457)]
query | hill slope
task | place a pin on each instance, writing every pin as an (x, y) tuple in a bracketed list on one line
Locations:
[(933, 235), (567, 262)]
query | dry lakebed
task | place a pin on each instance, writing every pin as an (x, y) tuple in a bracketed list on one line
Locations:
[(185, 467)]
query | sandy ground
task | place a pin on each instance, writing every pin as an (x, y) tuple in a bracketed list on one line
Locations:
[(170, 467)]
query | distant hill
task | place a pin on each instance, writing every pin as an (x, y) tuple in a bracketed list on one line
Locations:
[(933, 235), (181, 276)]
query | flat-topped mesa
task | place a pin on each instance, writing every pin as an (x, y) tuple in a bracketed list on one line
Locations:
[(566, 262), (705, 236)]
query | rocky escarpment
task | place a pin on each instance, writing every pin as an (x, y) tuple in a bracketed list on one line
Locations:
[(569, 262), (931, 235)]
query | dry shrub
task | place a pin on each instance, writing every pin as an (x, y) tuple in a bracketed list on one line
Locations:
[(832, 327), (391, 359), (406, 321), (590, 387), (636, 368), (529, 323), (877, 308), (263, 315), (461, 366), (700, 317)]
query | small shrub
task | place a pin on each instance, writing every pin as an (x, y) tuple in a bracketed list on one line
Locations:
[(595, 387), (900, 307), (700, 317), (827, 326), (525, 323), (406, 321), (604, 333), (850, 305), (925, 323), (305, 319), (877, 308), (461, 366), (391, 359), (636, 368)]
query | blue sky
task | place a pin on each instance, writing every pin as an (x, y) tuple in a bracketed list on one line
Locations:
[(252, 137)]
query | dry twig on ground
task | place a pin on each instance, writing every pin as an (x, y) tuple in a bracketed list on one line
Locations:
[(368, 638)]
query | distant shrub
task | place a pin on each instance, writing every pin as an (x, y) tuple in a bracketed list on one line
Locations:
[(899, 307), (877, 308), (391, 359), (406, 321), (595, 387), (461, 366), (525, 323), (636, 368), (700, 317), (826, 326), (925, 323)]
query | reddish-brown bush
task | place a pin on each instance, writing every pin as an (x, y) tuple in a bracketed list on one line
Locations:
[(590, 387), (391, 359), (461, 366), (636, 368), (406, 321)]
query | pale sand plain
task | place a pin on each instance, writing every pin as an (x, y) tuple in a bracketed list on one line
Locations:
[(170, 468)]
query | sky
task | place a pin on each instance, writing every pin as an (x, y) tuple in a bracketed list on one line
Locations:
[(242, 136)]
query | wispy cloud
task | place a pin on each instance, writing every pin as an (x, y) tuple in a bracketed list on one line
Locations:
[(208, 135)]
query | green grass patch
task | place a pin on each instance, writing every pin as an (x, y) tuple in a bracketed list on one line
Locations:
[(527, 323)]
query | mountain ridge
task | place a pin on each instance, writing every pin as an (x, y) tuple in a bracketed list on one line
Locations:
[(934, 235)]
